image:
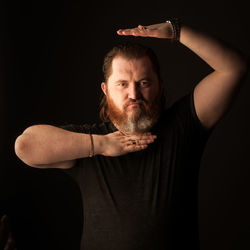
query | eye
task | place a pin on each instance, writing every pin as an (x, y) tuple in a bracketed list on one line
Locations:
[(144, 83), (122, 84)]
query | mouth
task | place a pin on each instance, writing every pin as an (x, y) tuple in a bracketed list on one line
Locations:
[(134, 104)]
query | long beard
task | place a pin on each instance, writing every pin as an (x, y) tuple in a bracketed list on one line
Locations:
[(142, 119)]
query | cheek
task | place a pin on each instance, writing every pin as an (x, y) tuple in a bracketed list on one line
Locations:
[(149, 94), (117, 98)]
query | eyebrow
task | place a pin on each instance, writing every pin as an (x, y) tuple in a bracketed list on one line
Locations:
[(119, 81), (144, 78)]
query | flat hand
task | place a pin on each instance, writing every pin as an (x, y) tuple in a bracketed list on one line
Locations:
[(116, 144), (161, 30)]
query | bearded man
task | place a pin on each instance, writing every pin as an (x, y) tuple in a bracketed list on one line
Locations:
[(138, 169)]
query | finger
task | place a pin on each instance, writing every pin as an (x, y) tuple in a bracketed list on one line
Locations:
[(145, 141), (4, 219), (10, 244), (5, 223), (127, 32), (143, 137), (134, 148), (134, 32), (139, 142), (151, 27), (3, 231), (147, 134)]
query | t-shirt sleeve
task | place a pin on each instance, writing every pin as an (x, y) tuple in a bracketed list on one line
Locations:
[(195, 116), (76, 128), (184, 130), (186, 119)]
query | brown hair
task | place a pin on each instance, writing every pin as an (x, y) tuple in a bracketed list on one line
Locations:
[(128, 51)]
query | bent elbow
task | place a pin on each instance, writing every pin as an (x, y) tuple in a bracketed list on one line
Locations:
[(19, 146), (22, 149)]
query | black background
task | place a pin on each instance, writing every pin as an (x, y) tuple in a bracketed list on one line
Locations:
[(51, 56)]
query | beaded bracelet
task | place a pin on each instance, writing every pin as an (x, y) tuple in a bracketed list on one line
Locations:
[(176, 25)]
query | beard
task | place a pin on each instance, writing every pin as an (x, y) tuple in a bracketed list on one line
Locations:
[(141, 119)]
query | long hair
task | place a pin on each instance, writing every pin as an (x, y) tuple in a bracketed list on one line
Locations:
[(128, 51)]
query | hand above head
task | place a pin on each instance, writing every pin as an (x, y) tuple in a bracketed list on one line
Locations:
[(117, 143), (161, 30)]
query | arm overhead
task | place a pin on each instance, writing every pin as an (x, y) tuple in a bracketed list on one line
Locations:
[(215, 93), (46, 146)]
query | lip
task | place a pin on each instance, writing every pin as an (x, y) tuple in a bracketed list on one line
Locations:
[(134, 104)]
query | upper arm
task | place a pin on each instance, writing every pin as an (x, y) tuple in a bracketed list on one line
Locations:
[(45, 146), (59, 165), (214, 95)]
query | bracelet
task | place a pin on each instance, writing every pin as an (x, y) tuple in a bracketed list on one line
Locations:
[(176, 25), (92, 151)]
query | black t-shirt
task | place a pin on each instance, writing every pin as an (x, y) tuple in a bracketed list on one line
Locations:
[(145, 200)]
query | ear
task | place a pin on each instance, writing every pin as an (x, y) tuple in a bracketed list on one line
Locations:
[(104, 87)]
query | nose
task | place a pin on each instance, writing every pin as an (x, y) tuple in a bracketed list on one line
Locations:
[(134, 91)]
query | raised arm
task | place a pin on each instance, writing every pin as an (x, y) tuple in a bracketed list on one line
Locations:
[(215, 93), (46, 146)]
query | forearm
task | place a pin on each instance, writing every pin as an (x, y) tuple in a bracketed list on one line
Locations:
[(217, 54), (45, 144)]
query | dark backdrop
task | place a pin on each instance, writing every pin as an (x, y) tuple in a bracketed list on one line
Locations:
[(51, 56)]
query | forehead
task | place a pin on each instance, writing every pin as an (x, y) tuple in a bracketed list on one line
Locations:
[(132, 67)]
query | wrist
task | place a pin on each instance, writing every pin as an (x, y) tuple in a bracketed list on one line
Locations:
[(175, 27), (98, 141)]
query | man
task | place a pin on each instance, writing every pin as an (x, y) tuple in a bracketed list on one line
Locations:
[(139, 189)]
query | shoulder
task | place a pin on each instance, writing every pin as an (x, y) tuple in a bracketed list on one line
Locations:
[(182, 114), (177, 109)]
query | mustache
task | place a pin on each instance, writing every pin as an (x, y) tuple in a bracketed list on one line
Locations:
[(138, 101)]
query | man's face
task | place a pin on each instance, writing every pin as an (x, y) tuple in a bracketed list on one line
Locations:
[(132, 92)]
